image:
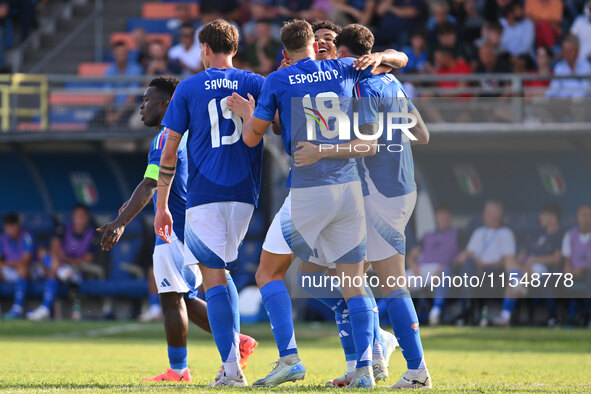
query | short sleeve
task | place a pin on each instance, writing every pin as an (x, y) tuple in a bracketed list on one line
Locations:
[(507, 244), (257, 85), (155, 155), (566, 245), (351, 73), (177, 114), (267, 101)]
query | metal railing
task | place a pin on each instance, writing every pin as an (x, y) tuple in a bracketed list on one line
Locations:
[(36, 90)]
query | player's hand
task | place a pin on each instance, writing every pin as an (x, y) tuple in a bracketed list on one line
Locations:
[(163, 225), (241, 106), (372, 60), (112, 233), (306, 154), (123, 207), (284, 63)]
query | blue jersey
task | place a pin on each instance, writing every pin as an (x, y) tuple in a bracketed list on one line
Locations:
[(221, 166), (390, 170), (310, 95), (177, 200)]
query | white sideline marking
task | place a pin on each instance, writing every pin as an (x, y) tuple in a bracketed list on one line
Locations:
[(103, 332)]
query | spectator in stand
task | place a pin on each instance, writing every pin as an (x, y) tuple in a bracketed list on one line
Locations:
[(158, 60), (470, 21), (493, 9), (447, 63), (571, 64), (289, 9), (541, 254), (4, 10), (186, 55), (439, 16), (447, 37), (346, 12), (320, 11), (489, 63), (183, 18), (576, 249), (259, 10), (140, 53), (261, 54), (518, 31), (547, 18), (436, 255), (71, 254), (397, 19), (227, 9), (581, 28), (123, 104), (492, 33), (417, 52), (16, 253), (491, 249)]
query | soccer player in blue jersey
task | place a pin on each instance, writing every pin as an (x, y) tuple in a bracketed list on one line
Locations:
[(176, 283), (223, 185), (324, 209), (389, 190)]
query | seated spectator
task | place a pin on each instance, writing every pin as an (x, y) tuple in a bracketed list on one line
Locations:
[(492, 33), (541, 66), (16, 253), (471, 21), (259, 10), (541, 254), (261, 54), (71, 254), (489, 63), (518, 31), (491, 249), (158, 60), (547, 18), (353, 11), (571, 64), (439, 16), (140, 54), (493, 9), (187, 54), (581, 29), (405, 15), (416, 52), (123, 104), (437, 254), (289, 9), (446, 63), (576, 249), (447, 37), (183, 18)]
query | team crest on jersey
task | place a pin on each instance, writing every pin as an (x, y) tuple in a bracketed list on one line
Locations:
[(84, 188), (468, 179), (552, 179)]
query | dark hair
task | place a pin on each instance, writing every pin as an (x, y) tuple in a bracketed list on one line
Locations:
[(11, 218), (165, 84), (552, 208), (494, 25), (548, 50), (446, 28), (443, 207), (508, 9), (296, 34), (445, 50), (118, 44), (419, 31), (326, 24), (220, 36), (357, 38)]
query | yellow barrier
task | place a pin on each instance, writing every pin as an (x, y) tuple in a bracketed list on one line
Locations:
[(23, 84)]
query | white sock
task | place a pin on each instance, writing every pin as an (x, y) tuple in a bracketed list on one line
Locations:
[(377, 350), (351, 364), (505, 314), (179, 371), (435, 311), (232, 369)]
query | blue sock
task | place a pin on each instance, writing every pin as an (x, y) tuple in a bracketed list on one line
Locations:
[(438, 302), (405, 324), (221, 321), (362, 322), (49, 292), (278, 305), (509, 304), (20, 292), (177, 357), (234, 300), (346, 335), (313, 284), (153, 299)]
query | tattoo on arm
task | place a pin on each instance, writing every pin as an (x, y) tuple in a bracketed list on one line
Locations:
[(169, 169), (165, 178)]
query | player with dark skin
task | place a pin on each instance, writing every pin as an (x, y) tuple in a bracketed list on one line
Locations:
[(175, 307)]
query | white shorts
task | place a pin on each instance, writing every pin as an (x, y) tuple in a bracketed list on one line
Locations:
[(170, 271), (387, 218), (9, 274), (214, 232), (330, 218)]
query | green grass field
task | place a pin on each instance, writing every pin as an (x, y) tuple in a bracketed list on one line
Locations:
[(108, 357)]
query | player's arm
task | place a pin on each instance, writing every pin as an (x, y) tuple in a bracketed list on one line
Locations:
[(388, 60), (253, 128), (142, 195), (420, 130), (168, 160)]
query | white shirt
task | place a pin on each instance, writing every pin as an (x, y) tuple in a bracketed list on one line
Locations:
[(570, 87), (191, 58), (519, 38), (566, 247), (491, 245), (582, 29)]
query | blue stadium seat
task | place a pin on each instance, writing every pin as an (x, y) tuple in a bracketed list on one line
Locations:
[(150, 25), (134, 288), (126, 250), (41, 226), (21, 193)]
